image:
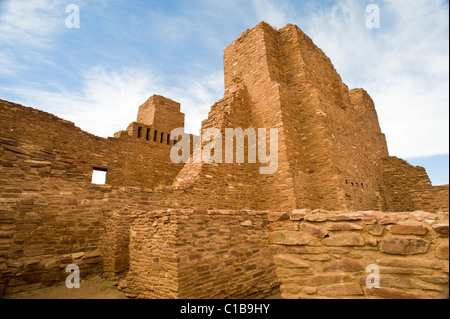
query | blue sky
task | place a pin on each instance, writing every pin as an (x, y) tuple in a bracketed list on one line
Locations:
[(126, 51)]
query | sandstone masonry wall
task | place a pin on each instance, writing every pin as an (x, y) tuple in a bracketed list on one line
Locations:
[(408, 188), (130, 161), (322, 254), (198, 254)]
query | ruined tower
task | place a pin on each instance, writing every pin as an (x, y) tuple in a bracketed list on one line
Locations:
[(330, 143)]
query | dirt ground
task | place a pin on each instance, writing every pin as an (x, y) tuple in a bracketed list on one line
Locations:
[(90, 288), (93, 287)]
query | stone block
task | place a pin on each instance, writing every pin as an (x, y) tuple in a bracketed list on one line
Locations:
[(408, 230), (344, 265), (315, 230), (388, 293), (339, 240), (351, 289), (344, 226), (298, 214), (441, 229), (290, 261), (376, 230), (404, 246), (277, 216), (442, 251), (289, 238)]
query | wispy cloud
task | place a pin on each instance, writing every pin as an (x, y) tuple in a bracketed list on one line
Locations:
[(30, 22), (109, 99), (271, 12), (403, 65)]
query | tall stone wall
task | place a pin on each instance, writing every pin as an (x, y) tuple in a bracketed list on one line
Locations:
[(330, 145), (408, 188), (194, 254), (322, 254), (62, 149)]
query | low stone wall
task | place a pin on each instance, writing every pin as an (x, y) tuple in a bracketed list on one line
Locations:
[(323, 254), (197, 254)]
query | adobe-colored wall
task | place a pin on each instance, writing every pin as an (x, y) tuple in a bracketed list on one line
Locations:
[(322, 254), (330, 142), (161, 113), (130, 161), (407, 188), (194, 254)]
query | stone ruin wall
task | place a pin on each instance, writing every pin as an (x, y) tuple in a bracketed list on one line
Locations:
[(408, 188), (51, 215), (60, 149), (199, 254), (321, 254), (332, 153)]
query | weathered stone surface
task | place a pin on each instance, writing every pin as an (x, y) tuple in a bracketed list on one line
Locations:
[(247, 223), (405, 271), (410, 263), (442, 251), (289, 238), (78, 255), (435, 279), (352, 289), (290, 261), (388, 293), (344, 240), (344, 265), (376, 230), (388, 220), (276, 226), (52, 264), (404, 246), (333, 155), (344, 226), (442, 229), (407, 230), (277, 216), (421, 215), (326, 279), (299, 214), (315, 230)]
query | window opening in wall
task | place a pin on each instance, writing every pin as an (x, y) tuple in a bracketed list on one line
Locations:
[(155, 135), (162, 137), (147, 136), (139, 132), (99, 176), (168, 139)]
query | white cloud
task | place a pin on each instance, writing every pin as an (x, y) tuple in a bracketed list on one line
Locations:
[(403, 65), (109, 100), (107, 103), (30, 22), (270, 12)]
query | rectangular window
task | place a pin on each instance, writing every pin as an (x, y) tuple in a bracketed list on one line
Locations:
[(168, 139), (99, 176), (147, 137), (155, 135), (162, 138), (139, 132)]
